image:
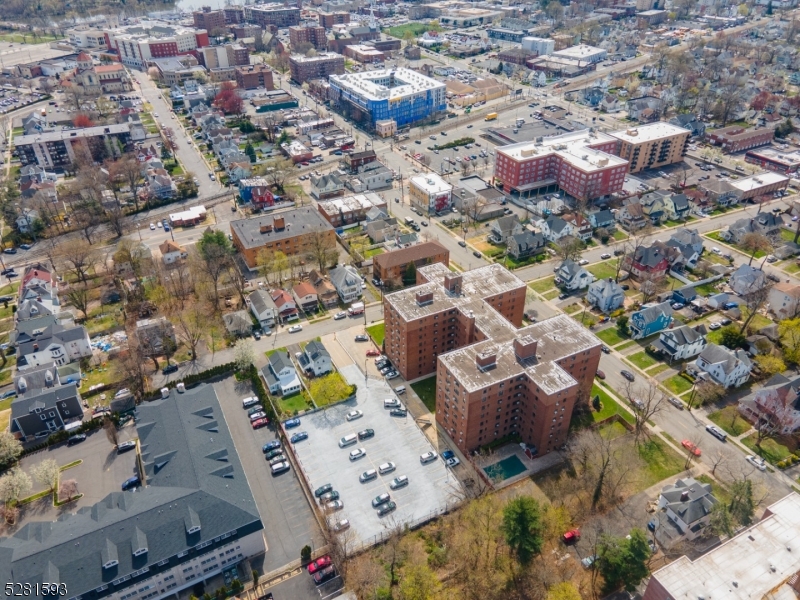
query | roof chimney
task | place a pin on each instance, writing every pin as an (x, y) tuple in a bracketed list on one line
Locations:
[(424, 298), (452, 283), (266, 228), (486, 360), (525, 347), (685, 496), (279, 223)]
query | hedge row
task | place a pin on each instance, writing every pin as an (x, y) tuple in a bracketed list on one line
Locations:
[(455, 143)]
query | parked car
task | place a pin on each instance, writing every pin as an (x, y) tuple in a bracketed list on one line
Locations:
[(169, 369), (76, 439), (291, 423), (271, 446), (380, 499), (299, 437), (341, 525), (259, 423), (691, 447), (366, 434), (717, 432), (589, 561), (605, 256), (353, 415), (329, 496), (675, 402), (334, 505), (386, 508), (295, 328), (258, 415), (362, 338), (571, 536), (273, 453), (320, 563), (368, 475), (398, 412), (324, 575), (323, 489), (427, 457), (757, 462), (340, 315), (131, 482), (126, 446), (627, 375), (357, 453), (276, 459), (605, 349), (399, 482), (452, 462)]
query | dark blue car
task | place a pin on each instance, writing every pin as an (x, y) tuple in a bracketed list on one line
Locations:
[(271, 446), (292, 423), (299, 437), (133, 482), (169, 369), (448, 454), (729, 305)]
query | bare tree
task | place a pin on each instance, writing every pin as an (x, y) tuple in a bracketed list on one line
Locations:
[(211, 267), (647, 402), (754, 299), (130, 367), (321, 248), (705, 392), (569, 248), (78, 296), (754, 243), (650, 285), (636, 239), (190, 326), (77, 256)]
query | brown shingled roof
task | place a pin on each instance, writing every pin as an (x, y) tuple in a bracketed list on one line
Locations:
[(407, 255)]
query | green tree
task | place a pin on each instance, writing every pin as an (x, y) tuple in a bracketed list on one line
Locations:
[(623, 562), (419, 582), (720, 521), (769, 365), (251, 152), (284, 138), (789, 332), (731, 337), (213, 243), (522, 528), (563, 591), (785, 128), (742, 505), (622, 325), (410, 275)]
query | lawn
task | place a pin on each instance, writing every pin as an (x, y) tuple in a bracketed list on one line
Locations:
[(706, 288), (677, 384), (585, 318), (377, 333), (426, 390), (758, 321), (642, 360), (787, 236), (720, 492), (573, 308), (656, 370), (106, 375), (416, 29), (604, 270), (609, 406), (543, 285), (9, 290), (373, 252), (792, 268), (293, 404), (620, 235), (330, 389), (613, 430), (101, 323), (660, 462), (627, 344), (511, 263), (551, 295), (730, 420), (5, 419), (611, 336), (771, 450)]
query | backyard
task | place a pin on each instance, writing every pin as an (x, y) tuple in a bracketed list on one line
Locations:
[(329, 389), (731, 420), (611, 336), (291, 405), (426, 390), (604, 270)]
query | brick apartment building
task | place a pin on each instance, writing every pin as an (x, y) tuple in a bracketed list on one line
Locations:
[(233, 15), (272, 14), (314, 35), (364, 54), (390, 267), (254, 76), (737, 139), (209, 19), (772, 159), (652, 146), (328, 20), (290, 232), (493, 378), (582, 163), (320, 66)]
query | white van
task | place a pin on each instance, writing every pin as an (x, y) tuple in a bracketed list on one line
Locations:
[(249, 401), (386, 467), (400, 389), (390, 403), (348, 440)]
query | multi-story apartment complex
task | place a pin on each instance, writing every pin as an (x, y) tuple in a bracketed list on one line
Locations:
[(320, 66), (137, 44), (192, 516), (784, 162), (83, 36), (364, 54), (391, 267), (652, 146), (314, 35), (328, 20), (493, 378), (541, 46), (222, 57), (208, 19), (233, 15), (292, 232), (736, 138), (57, 149), (254, 76), (272, 14), (582, 163), (401, 95)]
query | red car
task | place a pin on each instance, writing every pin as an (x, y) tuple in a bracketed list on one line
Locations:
[(691, 447), (259, 423), (319, 564), (572, 536), (373, 353)]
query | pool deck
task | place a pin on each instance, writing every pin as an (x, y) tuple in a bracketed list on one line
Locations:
[(532, 466)]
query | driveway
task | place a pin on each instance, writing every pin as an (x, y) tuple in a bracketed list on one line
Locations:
[(289, 522)]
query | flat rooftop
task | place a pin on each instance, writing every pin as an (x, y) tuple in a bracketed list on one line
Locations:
[(386, 83), (431, 183), (755, 564), (572, 147), (299, 58), (648, 133), (759, 180), (790, 158), (66, 134), (297, 221), (579, 51)]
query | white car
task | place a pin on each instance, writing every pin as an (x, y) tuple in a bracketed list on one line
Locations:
[(583, 261), (428, 457), (341, 525), (757, 462), (714, 326), (152, 226), (453, 462), (295, 328), (358, 453), (353, 415), (605, 256), (716, 250)]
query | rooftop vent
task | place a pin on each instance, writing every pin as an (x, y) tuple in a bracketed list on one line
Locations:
[(684, 496), (525, 347), (632, 132), (453, 283), (266, 228), (424, 298), (486, 360)]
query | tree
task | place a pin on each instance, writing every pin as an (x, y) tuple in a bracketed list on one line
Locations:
[(243, 354), (650, 284), (321, 248), (565, 590), (569, 248), (705, 392), (212, 261), (111, 432), (14, 485), (622, 325), (647, 401), (46, 473), (769, 365), (130, 368), (785, 128), (251, 152), (789, 333), (10, 448), (731, 337), (228, 100), (68, 489), (742, 505), (128, 170), (720, 521), (82, 120), (190, 326), (754, 299), (522, 528), (419, 582), (755, 243), (410, 274), (623, 561), (279, 171), (78, 296)]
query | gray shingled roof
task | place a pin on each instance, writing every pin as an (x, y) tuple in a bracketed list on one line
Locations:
[(315, 349), (279, 361), (262, 301), (47, 398)]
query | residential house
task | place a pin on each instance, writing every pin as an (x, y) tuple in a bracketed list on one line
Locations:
[(257, 192), (602, 218), (382, 229), (650, 319), (280, 375), (654, 206), (172, 252), (682, 342), (685, 294), (784, 300), (631, 216), (573, 276), (26, 220), (606, 295), (723, 193), (160, 185), (647, 262), (687, 237), (392, 267), (777, 403), (729, 368), (503, 228), (554, 228), (717, 301), (238, 171), (691, 122), (526, 244), (746, 280), (677, 207), (57, 344), (688, 505), (36, 174), (306, 296), (238, 323), (326, 186), (765, 223), (347, 282), (37, 412), (287, 307), (581, 226), (610, 104), (263, 308), (326, 293), (155, 335), (315, 359), (645, 109)]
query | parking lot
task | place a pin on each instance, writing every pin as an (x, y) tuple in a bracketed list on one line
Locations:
[(432, 488), (289, 522)]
